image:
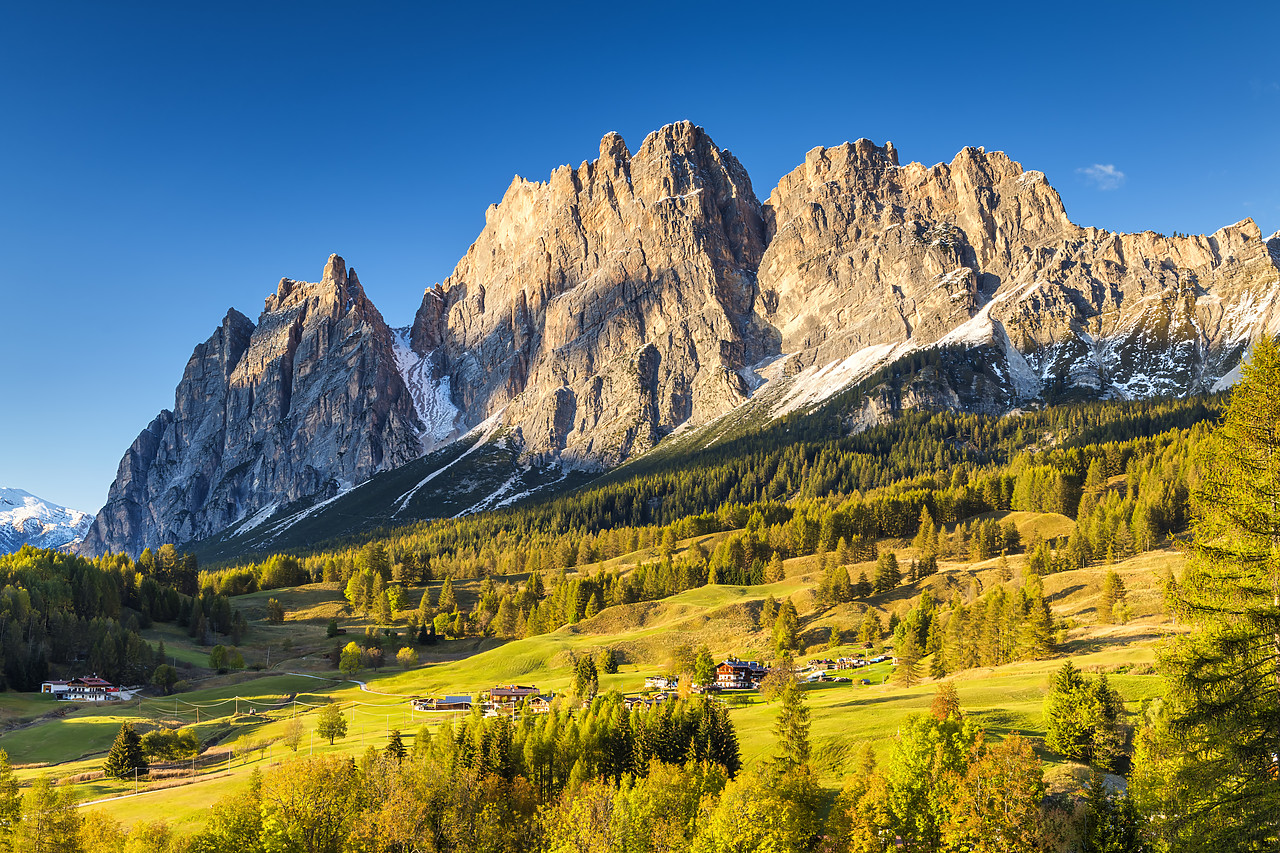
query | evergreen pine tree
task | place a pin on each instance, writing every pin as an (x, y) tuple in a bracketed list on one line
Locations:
[(786, 628), (10, 802), (768, 612), (395, 746), (1081, 717), (1035, 640), (1225, 676), (938, 665), (844, 555), (792, 726), (888, 575), (907, 672), (1113, 592), (446, 603), (870, 630), (926, 540), (775, 571), (841, 588), (126, 755)]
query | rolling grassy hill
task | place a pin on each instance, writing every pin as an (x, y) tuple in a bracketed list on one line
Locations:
[(241, 716)]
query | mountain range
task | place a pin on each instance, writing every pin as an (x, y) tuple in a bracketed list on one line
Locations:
[(650, 294), (28, 520)]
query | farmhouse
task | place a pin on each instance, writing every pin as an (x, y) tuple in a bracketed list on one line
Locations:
[(443, 703), (506, 699), (86, 689), (740, 674)]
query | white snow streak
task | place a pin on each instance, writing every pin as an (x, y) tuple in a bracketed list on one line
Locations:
[(486, 431), (815, 384), (432, 400)]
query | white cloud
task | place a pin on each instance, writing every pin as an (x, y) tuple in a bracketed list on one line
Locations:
[(1105, 176)]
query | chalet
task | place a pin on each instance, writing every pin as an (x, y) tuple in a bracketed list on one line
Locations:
[(443, 703), (512, 693), (660, 682), (643, 703), (86, 689), (740, 674), (505, 700)]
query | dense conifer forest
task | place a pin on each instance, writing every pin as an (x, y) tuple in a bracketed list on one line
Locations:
[(869, 514)]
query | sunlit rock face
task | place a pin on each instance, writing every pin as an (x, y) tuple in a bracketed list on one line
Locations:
[(600, 310)]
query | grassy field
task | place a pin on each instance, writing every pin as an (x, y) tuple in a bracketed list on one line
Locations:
[(241, 717)]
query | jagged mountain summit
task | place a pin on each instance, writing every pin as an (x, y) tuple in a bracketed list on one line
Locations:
[(28, 520), (638, 295), (304, 404)]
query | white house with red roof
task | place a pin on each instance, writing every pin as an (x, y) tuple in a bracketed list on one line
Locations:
[(86, 689)]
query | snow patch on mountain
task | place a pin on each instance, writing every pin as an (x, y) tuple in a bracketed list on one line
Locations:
[(484, 431), (1250, 314), (980, 329), (28, 520), (278, 526), (1026, 382), (815, 384), (432, 397)]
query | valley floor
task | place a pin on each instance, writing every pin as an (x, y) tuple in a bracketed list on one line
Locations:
[(241, 717)]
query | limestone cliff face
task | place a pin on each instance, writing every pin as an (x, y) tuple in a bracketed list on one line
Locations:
[(601, 309), (304, 402), (866, 253)]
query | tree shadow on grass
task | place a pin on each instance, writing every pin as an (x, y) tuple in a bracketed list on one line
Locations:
[(1063, 593)]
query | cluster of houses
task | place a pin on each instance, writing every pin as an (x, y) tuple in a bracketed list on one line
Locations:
[(497, 700), (87, 689), (845, 663), (731, 674)]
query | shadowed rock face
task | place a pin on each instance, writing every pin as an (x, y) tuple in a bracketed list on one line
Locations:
[(611, 303), (264, 415), (601, 309)]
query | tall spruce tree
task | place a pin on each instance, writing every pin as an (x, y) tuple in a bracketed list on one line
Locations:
[(10, 802), (1225, 675), (395, 746), (786, 628), (126, 755), (792, 726), (1113, 592), (907, 671)]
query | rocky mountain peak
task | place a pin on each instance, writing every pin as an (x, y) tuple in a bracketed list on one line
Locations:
[(307, 402), (613, 148), (612, 302), (600, 309)]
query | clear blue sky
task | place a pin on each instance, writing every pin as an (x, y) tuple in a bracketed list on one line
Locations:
[(161, 162)]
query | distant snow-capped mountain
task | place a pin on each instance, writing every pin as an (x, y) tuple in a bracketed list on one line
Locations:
[(27, 520)]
